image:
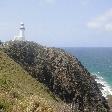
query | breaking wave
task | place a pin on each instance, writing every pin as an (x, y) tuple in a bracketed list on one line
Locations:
[(106, 89)]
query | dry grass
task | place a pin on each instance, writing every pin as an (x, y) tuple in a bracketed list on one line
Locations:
[(19, 92), (110, 102)]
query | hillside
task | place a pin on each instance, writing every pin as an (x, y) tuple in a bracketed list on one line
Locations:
[(62, 73), (19, 92)]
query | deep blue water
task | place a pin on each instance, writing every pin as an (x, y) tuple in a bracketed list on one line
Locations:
[(96, 60)]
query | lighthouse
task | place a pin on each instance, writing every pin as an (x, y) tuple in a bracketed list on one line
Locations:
[(21, 36), (21, 32)]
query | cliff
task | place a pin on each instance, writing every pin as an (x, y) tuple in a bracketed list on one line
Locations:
[(19, 92), (62, 73)]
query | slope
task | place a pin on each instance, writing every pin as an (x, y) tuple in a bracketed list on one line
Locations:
[(19, 92), (62, 73)]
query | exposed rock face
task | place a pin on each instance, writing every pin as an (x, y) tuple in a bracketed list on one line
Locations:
[(62, 73)]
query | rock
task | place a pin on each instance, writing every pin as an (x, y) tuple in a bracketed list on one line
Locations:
[(62, 73)]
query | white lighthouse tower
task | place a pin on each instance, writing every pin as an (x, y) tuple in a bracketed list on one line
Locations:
[(21, 36)]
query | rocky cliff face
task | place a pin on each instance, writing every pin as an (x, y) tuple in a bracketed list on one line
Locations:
[(62, 73)]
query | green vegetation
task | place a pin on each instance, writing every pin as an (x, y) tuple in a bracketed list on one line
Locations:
[(19, 92), (62, 73), (50, 72)]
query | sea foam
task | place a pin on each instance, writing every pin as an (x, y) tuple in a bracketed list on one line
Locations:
[(106, 88)]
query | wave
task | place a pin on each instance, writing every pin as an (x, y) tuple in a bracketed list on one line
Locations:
[(106, 89)]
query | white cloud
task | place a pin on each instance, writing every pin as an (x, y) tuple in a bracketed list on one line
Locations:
[(47, 1), (84, 2), (102, 22), (93, 25), (108, 27), (50, 1)]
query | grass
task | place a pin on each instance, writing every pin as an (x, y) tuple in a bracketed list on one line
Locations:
[(110, 101), (19, 92)]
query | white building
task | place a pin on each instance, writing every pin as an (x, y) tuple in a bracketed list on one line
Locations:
[(21, 36)]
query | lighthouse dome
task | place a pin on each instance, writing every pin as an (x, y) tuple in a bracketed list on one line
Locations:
[(21, 23)]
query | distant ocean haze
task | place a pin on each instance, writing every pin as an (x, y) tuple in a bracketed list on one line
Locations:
[(98, 61)]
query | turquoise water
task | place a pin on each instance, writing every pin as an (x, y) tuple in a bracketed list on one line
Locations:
[(96, 60)]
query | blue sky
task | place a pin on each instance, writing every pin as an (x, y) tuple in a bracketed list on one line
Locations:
[(69, 23)]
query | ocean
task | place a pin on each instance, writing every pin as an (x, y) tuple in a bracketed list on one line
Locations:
[(98, 61)]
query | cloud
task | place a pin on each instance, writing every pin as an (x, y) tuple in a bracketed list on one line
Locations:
[(50, 1), (47, 1), (84, 2), (102, 22)]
